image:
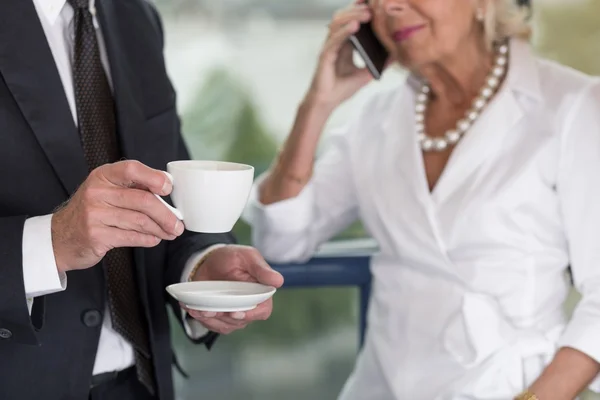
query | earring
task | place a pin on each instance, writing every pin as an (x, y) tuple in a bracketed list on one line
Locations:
[(479, 15)]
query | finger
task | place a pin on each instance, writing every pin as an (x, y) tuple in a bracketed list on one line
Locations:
[(201, 314), (261, 313), (132, 173), (114, 238), (229, 319), (130, 220), (340, 38), (235, 319), (219, 326), (146, 203), (360, 14), (198, 314), (260, 270)]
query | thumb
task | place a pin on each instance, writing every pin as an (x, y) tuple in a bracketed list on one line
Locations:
[(263, 273)]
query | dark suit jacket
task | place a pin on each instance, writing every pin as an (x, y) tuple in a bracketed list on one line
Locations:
[(50, 355)]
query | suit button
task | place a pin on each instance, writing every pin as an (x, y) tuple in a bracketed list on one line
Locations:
[(5, 333), (91, 318)]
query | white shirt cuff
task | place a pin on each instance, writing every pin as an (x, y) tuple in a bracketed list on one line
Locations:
[(194, 329), (40, 273)]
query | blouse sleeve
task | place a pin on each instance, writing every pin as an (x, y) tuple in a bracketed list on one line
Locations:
[(292, 229), (579, 193)]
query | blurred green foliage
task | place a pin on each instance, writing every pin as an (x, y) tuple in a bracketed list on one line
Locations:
[(222, 122), (569, 32)]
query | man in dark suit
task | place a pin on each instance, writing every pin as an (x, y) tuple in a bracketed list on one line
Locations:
[(82, 86)]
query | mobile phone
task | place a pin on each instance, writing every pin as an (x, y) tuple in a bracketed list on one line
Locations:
[(370, 49)]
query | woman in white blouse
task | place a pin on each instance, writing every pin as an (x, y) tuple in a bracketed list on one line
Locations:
[(479, 179)]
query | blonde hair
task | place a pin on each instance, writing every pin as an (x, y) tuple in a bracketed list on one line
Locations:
[(504, 19)]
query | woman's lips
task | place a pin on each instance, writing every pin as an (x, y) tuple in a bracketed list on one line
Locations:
[(406, 33)]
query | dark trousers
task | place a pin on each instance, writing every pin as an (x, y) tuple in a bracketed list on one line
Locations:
[(125, 386)]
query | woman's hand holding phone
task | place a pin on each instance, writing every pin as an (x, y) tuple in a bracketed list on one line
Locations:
[(337, 78)]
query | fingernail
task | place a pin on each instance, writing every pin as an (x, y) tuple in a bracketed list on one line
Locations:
[(209, 314), (168, 185), (238, 315), (179, 228)]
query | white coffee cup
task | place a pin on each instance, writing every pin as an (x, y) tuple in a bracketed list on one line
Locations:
[(209, 196)]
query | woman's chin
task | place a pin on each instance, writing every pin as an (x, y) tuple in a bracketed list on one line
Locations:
[(412, 63)]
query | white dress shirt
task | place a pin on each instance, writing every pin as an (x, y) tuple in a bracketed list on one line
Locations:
[(40, 273), (469, 282)]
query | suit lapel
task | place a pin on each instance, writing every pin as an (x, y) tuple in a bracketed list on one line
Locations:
[(29, 70), (130, 117)]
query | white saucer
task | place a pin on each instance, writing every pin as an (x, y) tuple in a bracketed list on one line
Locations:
[(221, 296)]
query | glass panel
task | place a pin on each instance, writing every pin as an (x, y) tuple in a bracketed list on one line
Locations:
[(306, 350), (240, 68)]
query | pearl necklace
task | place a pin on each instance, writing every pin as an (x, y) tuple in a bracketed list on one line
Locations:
[(452, 136)]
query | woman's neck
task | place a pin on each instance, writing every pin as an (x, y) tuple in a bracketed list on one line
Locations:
[(459, 78)]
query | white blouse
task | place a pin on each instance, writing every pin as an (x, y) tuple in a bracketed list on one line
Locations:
[(470, 279)]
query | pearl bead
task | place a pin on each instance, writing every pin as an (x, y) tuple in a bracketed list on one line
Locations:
[(463, 125), (453, 136), (427, 144), (498, 72), (441, 144)]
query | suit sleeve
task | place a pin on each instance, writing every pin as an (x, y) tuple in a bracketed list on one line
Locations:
[(16, 324)]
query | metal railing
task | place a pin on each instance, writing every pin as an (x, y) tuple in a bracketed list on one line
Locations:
[(344, 263)]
